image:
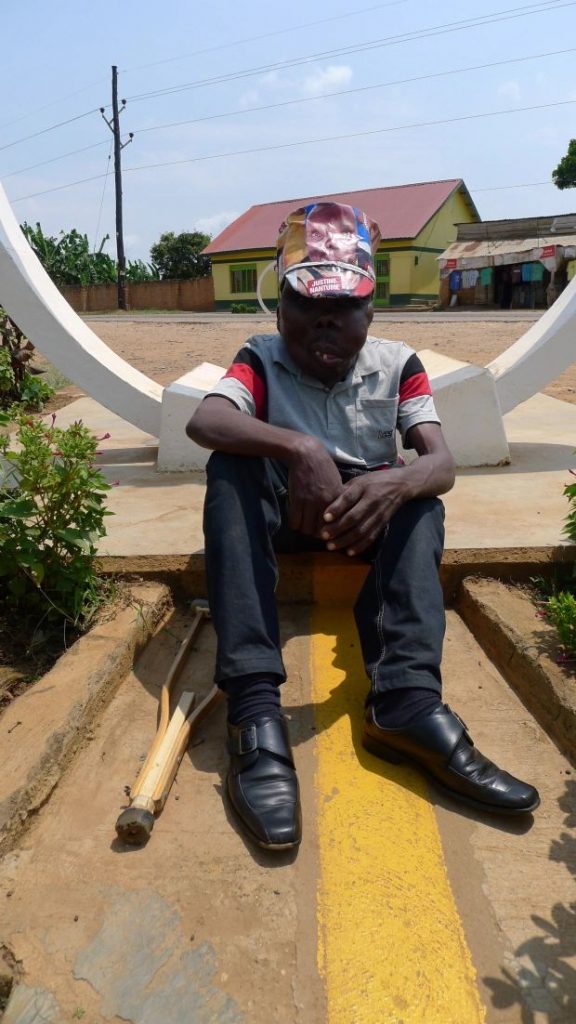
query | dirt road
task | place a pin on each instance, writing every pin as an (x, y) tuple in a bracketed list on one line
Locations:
[(165, 351)]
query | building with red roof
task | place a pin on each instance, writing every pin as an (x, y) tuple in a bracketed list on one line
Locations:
[(417, 223)]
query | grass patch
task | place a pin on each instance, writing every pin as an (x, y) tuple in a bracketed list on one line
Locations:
[(555, 597)]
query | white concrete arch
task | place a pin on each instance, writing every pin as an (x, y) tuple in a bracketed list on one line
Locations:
[(546, 349), (471, 400), (42, 313)]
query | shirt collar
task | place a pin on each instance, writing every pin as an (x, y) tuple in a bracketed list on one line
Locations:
[(367, 362)]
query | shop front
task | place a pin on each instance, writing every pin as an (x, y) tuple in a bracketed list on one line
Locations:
[(526, 273)]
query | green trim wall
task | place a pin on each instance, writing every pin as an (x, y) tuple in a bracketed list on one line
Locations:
[(414, 274)]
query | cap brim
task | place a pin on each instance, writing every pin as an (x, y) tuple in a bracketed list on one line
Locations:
[(319, 282)]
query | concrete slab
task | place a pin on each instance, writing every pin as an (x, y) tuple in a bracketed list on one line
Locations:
[(491, 510), (399, 906)]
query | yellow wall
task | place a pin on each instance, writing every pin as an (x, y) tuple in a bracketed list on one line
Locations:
[(437, 234), (413, 272), (221, 274)]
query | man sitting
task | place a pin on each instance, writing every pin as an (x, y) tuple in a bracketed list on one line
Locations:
[(303, 427)]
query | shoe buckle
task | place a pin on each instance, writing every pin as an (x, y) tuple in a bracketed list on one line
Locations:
[(457, 717), (460, 720), (247, 739)]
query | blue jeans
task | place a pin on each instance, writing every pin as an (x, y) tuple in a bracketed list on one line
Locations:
[(399, 612)]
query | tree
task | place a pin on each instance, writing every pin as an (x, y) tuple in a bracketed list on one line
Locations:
[(179, 256), (564, 176), (68, 259)]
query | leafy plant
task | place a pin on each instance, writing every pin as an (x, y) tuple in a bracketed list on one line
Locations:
[(241, 307), (561, 611), (52, 514), (180, 256), (18, 382), (137, 270), (564, 175), (557, 595), (570, 523), (69, 259)]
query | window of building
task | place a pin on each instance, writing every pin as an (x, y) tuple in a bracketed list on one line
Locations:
[(382, 268), (243, 279)]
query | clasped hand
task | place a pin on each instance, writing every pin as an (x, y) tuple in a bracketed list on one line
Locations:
[(346, 516)]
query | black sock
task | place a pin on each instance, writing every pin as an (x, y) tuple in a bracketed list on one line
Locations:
[(251, 697), (398, 709)]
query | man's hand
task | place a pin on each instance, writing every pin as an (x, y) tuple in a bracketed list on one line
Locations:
[(353, 521), (359, 514), (313, 484)]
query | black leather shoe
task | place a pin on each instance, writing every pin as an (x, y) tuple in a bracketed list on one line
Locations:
[(439, 744), (262, 783)]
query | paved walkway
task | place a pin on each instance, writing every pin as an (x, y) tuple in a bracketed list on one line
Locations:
[(400, 907), (517, 508)]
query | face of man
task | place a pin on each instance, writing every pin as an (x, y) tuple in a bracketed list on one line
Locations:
[(327, 241), (323, 335)]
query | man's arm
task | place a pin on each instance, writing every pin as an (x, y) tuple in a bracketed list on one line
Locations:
[(355, 519), (313, 480)]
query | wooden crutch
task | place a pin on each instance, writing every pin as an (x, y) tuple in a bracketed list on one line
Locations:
[(148, 794)]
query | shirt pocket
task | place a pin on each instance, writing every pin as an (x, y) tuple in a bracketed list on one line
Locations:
[(376, 429)]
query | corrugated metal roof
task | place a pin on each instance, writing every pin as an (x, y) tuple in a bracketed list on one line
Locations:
[(546, 228), (494, 253), (400, 210)]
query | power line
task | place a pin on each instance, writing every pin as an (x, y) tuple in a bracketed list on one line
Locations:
[(503, 188), (61, 99), (309, 99), (507, 15), (309, 142), (60, 124), (510, 14), (97, 231), (265, 35), (53, 160), (349, 92), (59, 188)]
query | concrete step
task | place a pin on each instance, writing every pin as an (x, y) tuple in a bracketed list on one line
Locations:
[(399, 905)]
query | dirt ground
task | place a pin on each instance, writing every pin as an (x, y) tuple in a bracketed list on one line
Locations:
[(165, 351)]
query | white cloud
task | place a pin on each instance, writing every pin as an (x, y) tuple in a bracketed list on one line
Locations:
[(217, 222), (275, 84), (328, 79), (249, 99), (510, 91)]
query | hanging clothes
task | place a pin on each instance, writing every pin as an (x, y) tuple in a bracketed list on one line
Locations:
[(455, 280), (486, 275), (526, 272), (538, 271), (469, 278), (571, 269), (516, 274)]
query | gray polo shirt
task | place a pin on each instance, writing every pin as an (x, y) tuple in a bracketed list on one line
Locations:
[(386, 390)]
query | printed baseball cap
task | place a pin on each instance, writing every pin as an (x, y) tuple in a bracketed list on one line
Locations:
[(328, 249)]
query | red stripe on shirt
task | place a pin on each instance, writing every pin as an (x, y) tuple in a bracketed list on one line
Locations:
[(415, 386), (251, 380)]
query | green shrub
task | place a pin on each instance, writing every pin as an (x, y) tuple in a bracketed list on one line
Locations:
[(17, 382), (561, 610), (241, 307), (570, 522), (52, 514)]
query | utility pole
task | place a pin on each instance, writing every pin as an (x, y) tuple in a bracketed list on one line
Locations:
[(114, 126)]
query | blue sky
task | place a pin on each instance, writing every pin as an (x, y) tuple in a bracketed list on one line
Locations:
[(56, 66)]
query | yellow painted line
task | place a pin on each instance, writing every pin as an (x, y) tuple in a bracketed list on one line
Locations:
[(391, 944)]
